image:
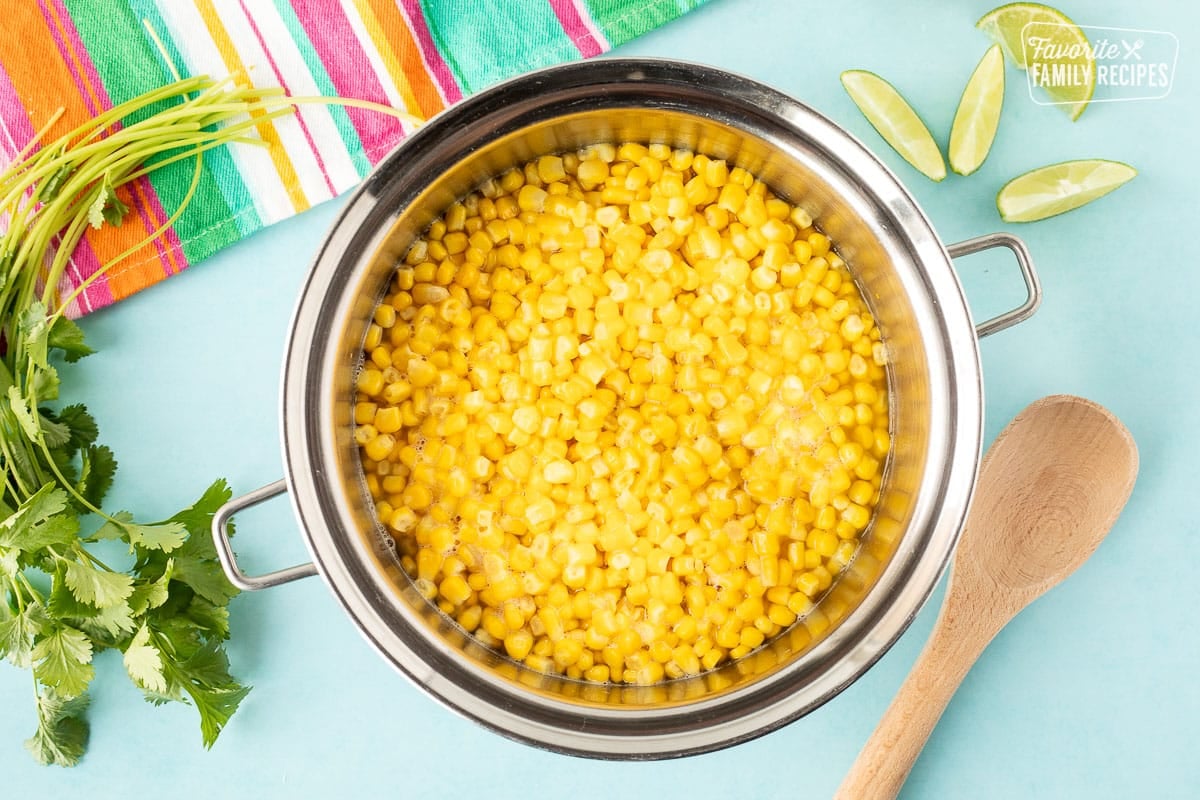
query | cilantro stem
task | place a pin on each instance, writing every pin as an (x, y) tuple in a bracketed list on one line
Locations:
[(37, 137), (14, 589), (90, 556), (69, 240), (34, 594), (183, 204), (13, 464)]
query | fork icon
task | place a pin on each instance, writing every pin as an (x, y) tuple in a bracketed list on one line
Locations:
[(1132, 49)]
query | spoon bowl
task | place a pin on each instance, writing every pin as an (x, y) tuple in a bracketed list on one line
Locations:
[(1049, 490)]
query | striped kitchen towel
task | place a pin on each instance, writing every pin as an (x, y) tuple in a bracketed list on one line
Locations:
[(85, 56)]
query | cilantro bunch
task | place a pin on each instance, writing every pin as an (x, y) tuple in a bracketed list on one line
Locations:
[(166, 608)]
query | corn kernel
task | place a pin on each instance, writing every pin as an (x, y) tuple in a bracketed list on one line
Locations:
[(518, 644)]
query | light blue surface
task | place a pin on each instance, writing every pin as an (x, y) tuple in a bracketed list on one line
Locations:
[(1090, 693)]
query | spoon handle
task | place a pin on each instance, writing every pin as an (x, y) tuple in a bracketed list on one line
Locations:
[(959, 636)]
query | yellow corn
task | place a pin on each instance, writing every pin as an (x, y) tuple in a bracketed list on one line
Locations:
[(625, 412)]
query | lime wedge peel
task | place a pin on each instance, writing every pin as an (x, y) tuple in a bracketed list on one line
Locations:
[(895, 121), (1058, 188), (1008, 25), (978, 114)]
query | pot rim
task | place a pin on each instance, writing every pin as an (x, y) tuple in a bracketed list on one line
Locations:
[(512, 710)]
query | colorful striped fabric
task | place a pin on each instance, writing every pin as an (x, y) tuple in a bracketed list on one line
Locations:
[(85, 56)]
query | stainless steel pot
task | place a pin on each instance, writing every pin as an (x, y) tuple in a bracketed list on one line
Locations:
[(904, 271)]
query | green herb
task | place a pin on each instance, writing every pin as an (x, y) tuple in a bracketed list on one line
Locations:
[(165, 610)]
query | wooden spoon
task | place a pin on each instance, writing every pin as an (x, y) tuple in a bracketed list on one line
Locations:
[(1049, 490)]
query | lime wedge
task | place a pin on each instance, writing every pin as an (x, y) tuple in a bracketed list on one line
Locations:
[(978, 113), (1044, 40), (895, 120), (1051, 190)]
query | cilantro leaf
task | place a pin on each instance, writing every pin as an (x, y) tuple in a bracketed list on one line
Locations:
[(58, 530), (67, 337), (62, 732), (195, 561), (56, 434), (180, 637), (165, 536), (106, 626), (40, 522), (39, 506), (206, 578), (96, 477), (162, 536), (35, 332), (204, 675), (190, 618), (216, 706), (62, 602), (18, 630), (107, 207), (174, 694), (208, 666), (9, 563), (114, 527), (197, 518), (20, 410), (95, 212), (96, 586), (144, 664), (151, 595), (63, 661), (146, 597), (109, 625), (84, 430), (97, 463), (115, 211), (210, 618), (52, 185), (46, 383)]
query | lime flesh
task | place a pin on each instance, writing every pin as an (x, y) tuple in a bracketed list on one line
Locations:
[(1059, 52), (978, 114), (1058, 188), (896, 121)]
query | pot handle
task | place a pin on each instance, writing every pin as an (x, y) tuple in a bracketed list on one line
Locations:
[(220, 534), (1033, 285)]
